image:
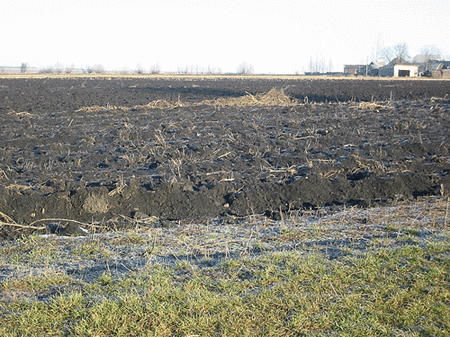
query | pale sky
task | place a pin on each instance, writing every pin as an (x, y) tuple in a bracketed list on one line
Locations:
[(275, 36)]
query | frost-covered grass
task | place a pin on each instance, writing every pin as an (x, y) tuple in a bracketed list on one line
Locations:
[(374, 272)]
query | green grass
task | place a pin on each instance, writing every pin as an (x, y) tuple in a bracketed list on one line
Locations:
[(397, 285), (402, 291)]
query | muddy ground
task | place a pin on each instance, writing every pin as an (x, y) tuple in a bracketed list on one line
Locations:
[(94, 150)]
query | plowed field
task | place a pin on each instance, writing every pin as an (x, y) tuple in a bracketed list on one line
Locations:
[(119, 151)]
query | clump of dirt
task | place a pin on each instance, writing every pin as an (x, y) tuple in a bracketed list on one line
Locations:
[(211, 153)]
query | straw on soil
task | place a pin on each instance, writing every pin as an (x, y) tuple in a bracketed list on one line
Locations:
[(97, 108), (274, 97), (371, 106), (156, 104), (159, 104)]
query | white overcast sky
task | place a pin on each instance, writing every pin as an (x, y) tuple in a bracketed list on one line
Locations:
[(275, 36)]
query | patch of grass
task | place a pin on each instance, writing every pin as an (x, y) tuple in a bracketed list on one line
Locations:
[(131, 238), (322, 274), (391, 228), (34, 283), (379, 292), (30, 249), (92, 248)]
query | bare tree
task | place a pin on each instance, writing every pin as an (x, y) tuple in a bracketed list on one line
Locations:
[(192, 69), (183, 70), (155, 69), (99, 69), (387, 54), (23, 67), (70, 69), (398, 52), (58, 67), (317, 64), (213, 70), (245, 69), (401, 51), (378, 51), (330, 65), (139, 69), (427, 55), (430, 52)]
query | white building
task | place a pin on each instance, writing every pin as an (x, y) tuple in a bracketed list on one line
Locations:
[(406, 70), (400, 70)]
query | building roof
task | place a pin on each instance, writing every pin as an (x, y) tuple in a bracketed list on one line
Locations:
[(445, 64), (406, 65), (376, 65), (435, 66), (398, 60)]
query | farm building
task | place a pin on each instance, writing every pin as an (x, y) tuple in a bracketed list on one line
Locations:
[(372, 69), (387, 71), (443, 73), (399, 67), (400, 70), (438, 69), (353, 69), (406, 70)]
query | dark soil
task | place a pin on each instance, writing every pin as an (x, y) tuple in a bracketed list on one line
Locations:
[(201, 161)]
